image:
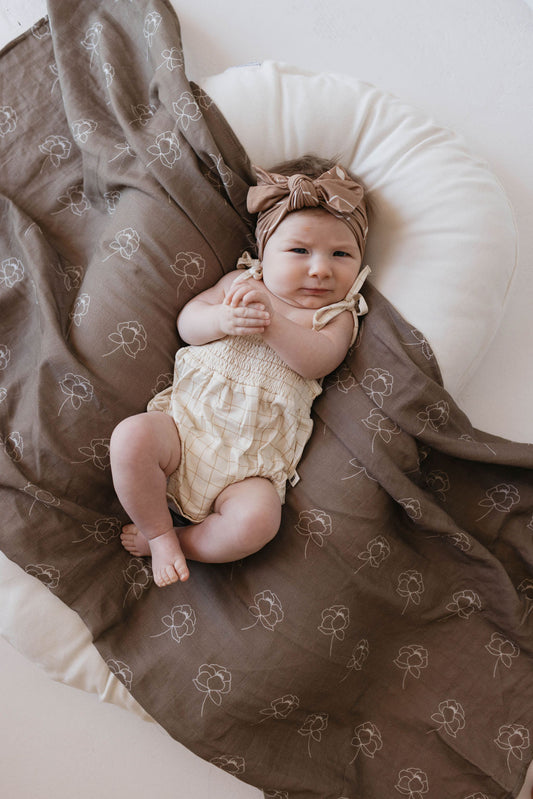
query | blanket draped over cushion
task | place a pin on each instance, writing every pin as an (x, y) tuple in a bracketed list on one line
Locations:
[(381, 645)]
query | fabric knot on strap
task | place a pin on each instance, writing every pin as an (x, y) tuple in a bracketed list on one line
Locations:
[(253, 266), (353, 302)]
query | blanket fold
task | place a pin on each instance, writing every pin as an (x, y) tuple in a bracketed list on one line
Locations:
[(380, 645)]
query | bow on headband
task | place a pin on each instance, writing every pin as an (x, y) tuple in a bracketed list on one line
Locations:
[(275, 196)]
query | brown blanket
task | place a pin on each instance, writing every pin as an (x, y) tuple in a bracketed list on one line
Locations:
[(381, 645)]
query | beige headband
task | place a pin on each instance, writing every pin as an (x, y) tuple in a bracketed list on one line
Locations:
[(275, 196)]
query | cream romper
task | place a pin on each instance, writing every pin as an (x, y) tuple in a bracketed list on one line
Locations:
[(241, 412)]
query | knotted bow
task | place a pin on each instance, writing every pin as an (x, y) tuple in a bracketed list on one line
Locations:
[(275, 196)]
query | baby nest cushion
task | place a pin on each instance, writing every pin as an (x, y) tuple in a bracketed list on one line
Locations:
[(442, 241), (441, 247)]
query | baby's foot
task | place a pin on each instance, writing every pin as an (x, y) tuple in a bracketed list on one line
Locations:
[(134, 541), (168, 561)]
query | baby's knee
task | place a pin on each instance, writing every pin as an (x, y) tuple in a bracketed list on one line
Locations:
[(259, 517), (129, 436)]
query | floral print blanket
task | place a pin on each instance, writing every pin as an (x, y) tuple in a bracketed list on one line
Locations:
[(381, 645)]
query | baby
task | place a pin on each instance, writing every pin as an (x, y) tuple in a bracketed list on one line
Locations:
[(220, 444)]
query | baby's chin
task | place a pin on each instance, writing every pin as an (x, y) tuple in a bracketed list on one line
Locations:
[(315, 299)]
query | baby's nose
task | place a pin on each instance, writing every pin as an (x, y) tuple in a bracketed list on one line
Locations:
[(319, 266)]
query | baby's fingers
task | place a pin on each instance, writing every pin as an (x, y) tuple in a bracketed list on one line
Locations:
[(251, 313), (235, 294), (249, 320)]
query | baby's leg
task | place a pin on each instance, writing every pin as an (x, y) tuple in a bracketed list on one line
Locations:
[(145, 450), (246, 516)]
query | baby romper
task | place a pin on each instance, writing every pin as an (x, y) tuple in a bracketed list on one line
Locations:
[(240, 412)]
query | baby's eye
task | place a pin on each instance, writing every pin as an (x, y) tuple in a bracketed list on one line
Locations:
[(299, 250), (341, 254)]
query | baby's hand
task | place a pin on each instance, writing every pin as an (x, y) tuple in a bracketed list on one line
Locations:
[(249, 292), (241, 315)]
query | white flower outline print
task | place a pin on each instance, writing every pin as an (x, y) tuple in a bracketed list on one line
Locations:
[(189, 267), (434, 416), (367, 739), (8, 120), (126, 243), (377, 550), (13, 445), (316, 525), (42, 496), (74, 200), (377, 384), (313, 727), (383, 427), (186, 110), (501, 498), (91, 40), (109, 73), (413, 783), (359, 470), (103, 530), (112, 199), (71, 275), (526, 589), (77, 389), (97, 451), (214, 681), (56, 149), (233, 764), (513, 739), (82, 129), (11, 272), (138, 575), (358, 657), (421, 342), (5, 356), (142, 113), (180, 623), (503, 649), (342, 379), (267, 610), (152, 21), (465, 603), (450, 717), (412, 660), (130, 337), (79, 310), (166, 149), (121, 671), (410, 586), (172, 59), (47, 574), (335, 622), (280, 708), (412, 507), (439, 482)]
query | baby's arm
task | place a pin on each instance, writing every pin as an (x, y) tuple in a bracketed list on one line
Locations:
[(311, 353), (208, 317)]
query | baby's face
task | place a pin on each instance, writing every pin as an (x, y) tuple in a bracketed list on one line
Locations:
[(311, 260)]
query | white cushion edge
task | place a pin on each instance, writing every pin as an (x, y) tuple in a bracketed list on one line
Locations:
[(47, 632)]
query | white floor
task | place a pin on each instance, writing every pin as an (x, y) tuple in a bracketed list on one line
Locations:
[(468, 63)]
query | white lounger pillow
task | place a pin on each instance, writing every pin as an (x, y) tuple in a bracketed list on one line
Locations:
[(441, 246)]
